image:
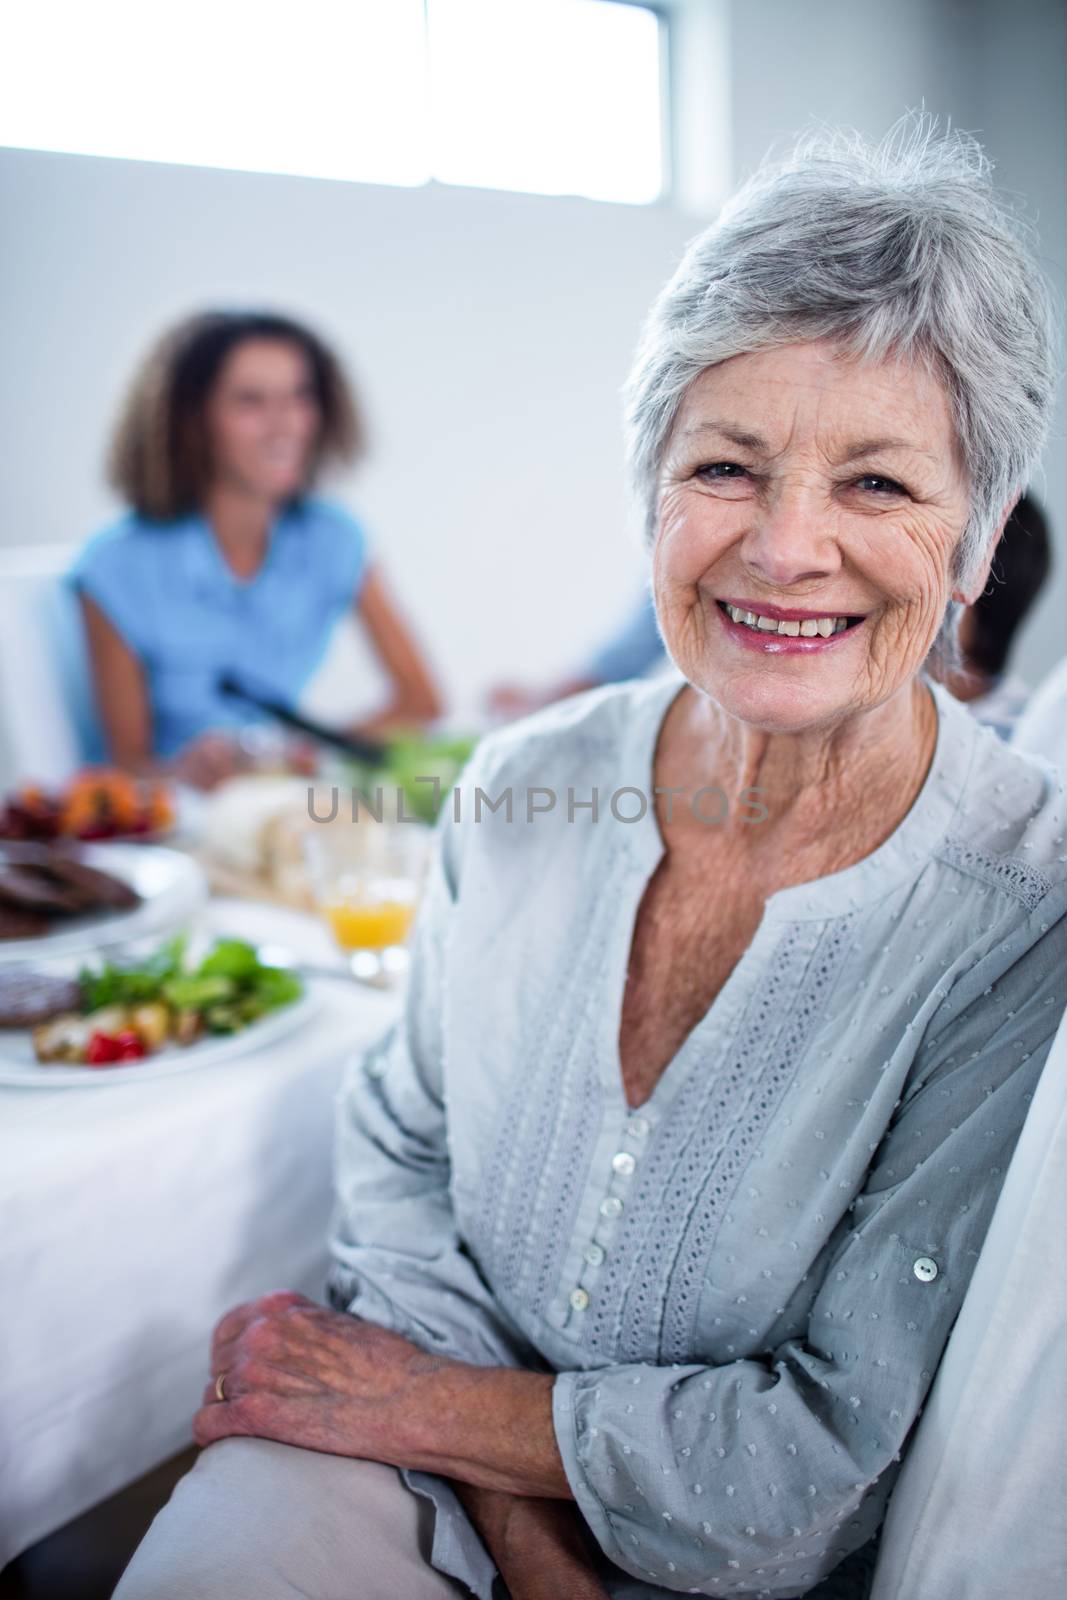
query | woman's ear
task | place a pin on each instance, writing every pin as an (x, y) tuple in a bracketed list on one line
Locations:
[(968, 594)]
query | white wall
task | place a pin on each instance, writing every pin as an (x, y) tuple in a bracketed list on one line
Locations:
[(860, 63), (490, 332)]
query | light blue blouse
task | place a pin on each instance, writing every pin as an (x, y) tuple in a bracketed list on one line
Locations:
[(168, 591), (745, 1285)]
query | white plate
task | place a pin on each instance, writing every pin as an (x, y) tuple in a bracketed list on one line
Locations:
[(20, 1069), (172, 888)]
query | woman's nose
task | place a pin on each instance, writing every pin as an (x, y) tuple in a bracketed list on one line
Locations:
[(286, 416), (792, 539)]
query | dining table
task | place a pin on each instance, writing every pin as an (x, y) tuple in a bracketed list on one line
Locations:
[(134, 1214)]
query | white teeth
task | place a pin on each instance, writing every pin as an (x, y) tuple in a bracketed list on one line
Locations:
[(808, 629)]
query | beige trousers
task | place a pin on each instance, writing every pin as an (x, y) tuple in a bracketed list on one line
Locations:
[(255, 1520)]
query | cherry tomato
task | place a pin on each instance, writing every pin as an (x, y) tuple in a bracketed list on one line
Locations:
[(102, 1050), (131, 1046)]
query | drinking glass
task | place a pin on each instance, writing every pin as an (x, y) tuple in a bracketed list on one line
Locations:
[(366, 877)]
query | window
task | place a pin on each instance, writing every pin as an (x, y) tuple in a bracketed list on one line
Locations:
[(549, 96), (557, 98)]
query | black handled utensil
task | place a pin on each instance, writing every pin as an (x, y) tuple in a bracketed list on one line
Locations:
[(371, 751)]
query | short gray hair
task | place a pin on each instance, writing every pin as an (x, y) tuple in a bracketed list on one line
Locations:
[(901, 247)]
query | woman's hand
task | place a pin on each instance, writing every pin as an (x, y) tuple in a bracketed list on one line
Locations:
[(326, 1380), (544, 1555), (538, 1544), (209, 760), (212, 758), (551, 1576), (304, 1375), (507, 701)]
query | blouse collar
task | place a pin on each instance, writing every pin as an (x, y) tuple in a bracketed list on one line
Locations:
[(207, 569), (897, 860)]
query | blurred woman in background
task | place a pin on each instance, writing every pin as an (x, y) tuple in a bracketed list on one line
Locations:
[(225, 566)]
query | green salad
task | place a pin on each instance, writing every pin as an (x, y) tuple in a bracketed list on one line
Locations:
[(412, 757), (129, 1012), (228, 989)]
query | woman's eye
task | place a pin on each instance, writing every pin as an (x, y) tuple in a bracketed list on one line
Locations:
[(876, 485), (719, 471)]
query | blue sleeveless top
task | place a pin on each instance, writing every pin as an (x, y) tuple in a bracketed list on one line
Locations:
[(166, 588)]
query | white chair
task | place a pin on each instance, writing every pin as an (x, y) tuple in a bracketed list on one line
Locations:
[(47, 721), (1042, 728), (979, 1511)]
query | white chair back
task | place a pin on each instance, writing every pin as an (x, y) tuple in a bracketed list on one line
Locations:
[(47, 723)]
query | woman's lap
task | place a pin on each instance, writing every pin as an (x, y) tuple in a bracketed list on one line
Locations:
[(268, 1521), (257, 1520)]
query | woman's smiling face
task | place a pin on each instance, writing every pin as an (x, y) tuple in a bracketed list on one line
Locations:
[(802, 487), (263, 418)]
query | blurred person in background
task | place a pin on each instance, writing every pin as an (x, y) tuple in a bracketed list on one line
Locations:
[(226, 565), (989, 627), (632, 650), (987, 634)]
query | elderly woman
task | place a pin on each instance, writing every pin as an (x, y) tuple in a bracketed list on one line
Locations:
[(729, 993)]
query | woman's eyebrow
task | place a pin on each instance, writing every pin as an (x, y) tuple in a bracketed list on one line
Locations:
[(726, 430), (745, 440), (874, 447)]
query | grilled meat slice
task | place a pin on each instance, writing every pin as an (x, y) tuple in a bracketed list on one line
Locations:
[(28, 997), (30, 889), (101, 890), (56, 880), (21, 924)]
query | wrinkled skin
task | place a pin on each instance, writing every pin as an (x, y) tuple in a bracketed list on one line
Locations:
[(308, 1376)]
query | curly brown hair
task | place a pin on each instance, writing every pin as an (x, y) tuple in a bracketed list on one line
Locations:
[(158, 459)]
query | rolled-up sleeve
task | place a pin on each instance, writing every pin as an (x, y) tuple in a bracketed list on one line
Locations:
[(749, 1477), (397, 1256)]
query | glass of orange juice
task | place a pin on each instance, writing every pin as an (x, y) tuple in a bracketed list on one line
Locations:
[(366, 877)]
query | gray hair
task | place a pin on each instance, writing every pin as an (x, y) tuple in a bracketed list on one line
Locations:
[(898, 248)]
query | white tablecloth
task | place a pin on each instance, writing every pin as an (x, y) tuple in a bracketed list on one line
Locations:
[(131, 1217)]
